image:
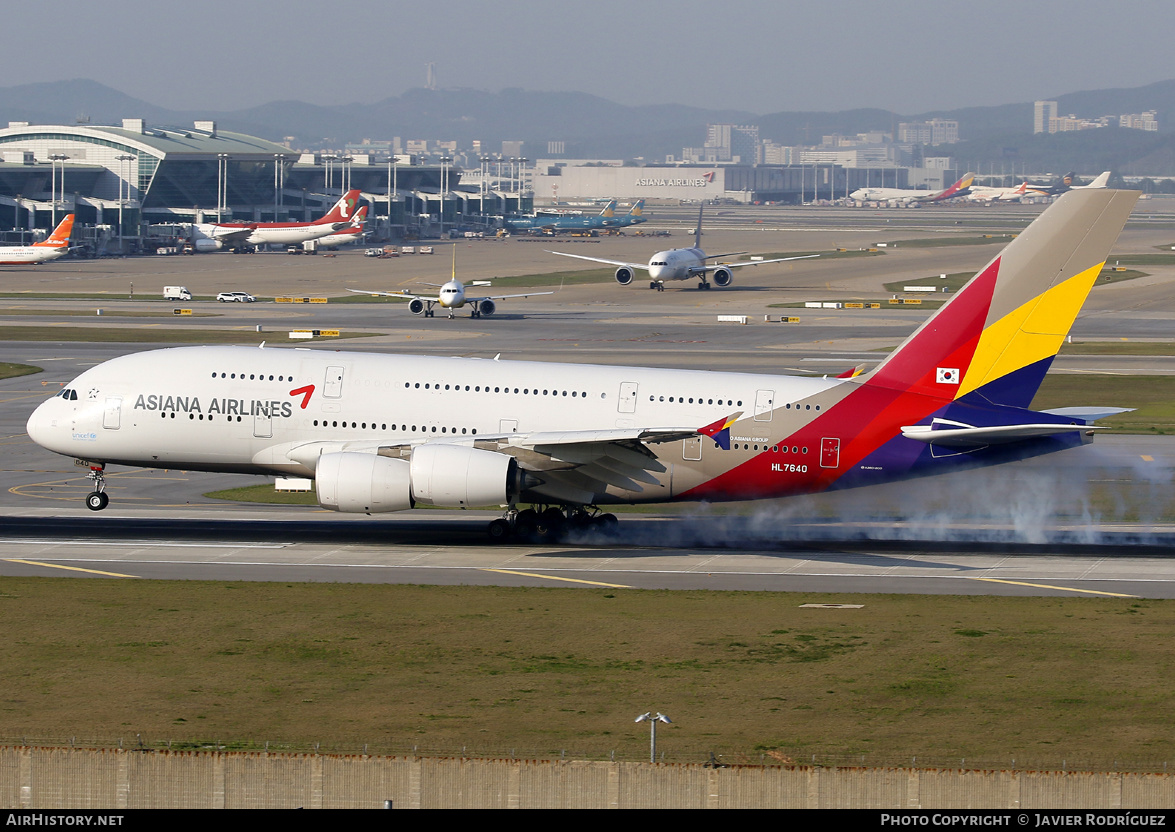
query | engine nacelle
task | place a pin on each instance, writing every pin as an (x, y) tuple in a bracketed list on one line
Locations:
[(723, 277), (624, 275), (365, 483), (416, 307), (487, 307), (455, 475), (203, 244)]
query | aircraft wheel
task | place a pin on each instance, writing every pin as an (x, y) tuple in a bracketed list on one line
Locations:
[(652, 284), (606, 523), (499, 531), (551, 524), (526, 524), (97, 500), (704, 286)]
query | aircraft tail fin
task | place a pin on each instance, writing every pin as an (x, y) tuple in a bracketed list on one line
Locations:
[(343, 210), (638, 208), (996, 338), (60, 235), (609, 210), (1101, 181), (958, 189), (360, 217)]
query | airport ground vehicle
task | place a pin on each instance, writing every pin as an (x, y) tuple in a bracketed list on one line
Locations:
[(176, 293), (235, 297)]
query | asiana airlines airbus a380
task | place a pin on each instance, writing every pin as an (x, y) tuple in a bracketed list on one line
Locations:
[(381, 433)]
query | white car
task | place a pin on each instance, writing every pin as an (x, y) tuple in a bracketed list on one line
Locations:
[(235, 297)]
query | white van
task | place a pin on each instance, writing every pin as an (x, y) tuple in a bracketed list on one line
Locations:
[(176, 293)]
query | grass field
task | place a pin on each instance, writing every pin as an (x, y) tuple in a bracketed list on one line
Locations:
[(491, 670), (8, 370), (91, 313), (1152, 396), (952, 240), (153, 335)]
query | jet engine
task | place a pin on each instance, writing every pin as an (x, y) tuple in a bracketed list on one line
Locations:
[(416, 307), (486, 307), (723, 277), (624, 275), (365, 483), (203, 244), (437, 474), (455, 475)]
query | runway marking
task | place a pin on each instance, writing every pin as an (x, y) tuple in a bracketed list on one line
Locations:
[(1062, 588), (70, 568), (1146, 458), (555, 578)]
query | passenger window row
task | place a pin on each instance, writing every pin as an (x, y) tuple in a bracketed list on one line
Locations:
[(252, 377), (383, 427), (699, 400), (526, 391)]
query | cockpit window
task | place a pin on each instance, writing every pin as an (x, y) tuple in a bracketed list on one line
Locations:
[(69, 395)]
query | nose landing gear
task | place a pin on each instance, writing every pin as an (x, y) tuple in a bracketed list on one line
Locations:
[(97, 499)]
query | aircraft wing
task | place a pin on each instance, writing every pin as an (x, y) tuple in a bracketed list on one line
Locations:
[(644, 266), (739, 263), (404, 295), (230, 235), (502, 297)]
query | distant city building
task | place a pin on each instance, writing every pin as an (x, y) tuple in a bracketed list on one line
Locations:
[(934, 132), (416, 146), (1043, 112), (1071, 123), (778, 154), (1140, 121), (727, 143), (556, 148), (512, 148)]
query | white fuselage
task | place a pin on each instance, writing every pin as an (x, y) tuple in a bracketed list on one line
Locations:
[(452, 295), (266, 411), (20, 255), (677, 264), (283, 234), (890, 195), (341, 238)]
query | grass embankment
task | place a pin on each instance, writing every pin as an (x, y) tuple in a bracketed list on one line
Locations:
[(153, 335), (91, 313), (1041, 680), (8, 370), (1153, 398), (837, 254), (951, 240)]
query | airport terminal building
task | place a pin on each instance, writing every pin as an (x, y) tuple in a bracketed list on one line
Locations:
[(120, 180)]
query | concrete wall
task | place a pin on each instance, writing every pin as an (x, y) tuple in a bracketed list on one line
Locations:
[(63, 778)]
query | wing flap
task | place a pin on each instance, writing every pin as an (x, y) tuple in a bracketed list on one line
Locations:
[(966, 437)]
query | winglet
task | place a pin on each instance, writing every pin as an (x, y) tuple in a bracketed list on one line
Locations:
[(720, 431), (853, 373)]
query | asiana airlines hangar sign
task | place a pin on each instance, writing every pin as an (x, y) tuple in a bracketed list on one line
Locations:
[(631, 183)]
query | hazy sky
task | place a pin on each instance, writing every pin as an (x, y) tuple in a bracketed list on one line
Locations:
[(904, 55)]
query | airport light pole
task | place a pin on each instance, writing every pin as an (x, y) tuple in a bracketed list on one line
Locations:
[(54, 159), (123, 180), (653, 720), (345, 173), (328, 178), (445, 160), (279, 182), (221, 185)]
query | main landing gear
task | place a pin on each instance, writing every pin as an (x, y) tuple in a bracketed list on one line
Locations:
[(97, 499), (549, 524), (703, 285), (657, 284)]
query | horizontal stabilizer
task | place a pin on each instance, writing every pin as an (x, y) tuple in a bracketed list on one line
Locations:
[(1087, 414), (968, 437)]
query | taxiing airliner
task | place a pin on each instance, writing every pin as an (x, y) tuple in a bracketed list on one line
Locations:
[(683, 264), (908, 195), (383, 433), (212, 236), (54, 246)]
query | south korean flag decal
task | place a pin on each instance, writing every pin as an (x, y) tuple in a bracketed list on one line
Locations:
[(946, 375)]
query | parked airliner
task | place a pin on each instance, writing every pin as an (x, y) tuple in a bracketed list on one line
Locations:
[(382, 433), (960, 188), (353, 232), (212, 236), (682, 264), (54, 246)]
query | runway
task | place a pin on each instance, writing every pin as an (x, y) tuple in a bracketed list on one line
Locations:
[(451, 550)]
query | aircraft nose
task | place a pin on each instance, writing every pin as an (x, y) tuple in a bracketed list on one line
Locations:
[(37, 426)]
